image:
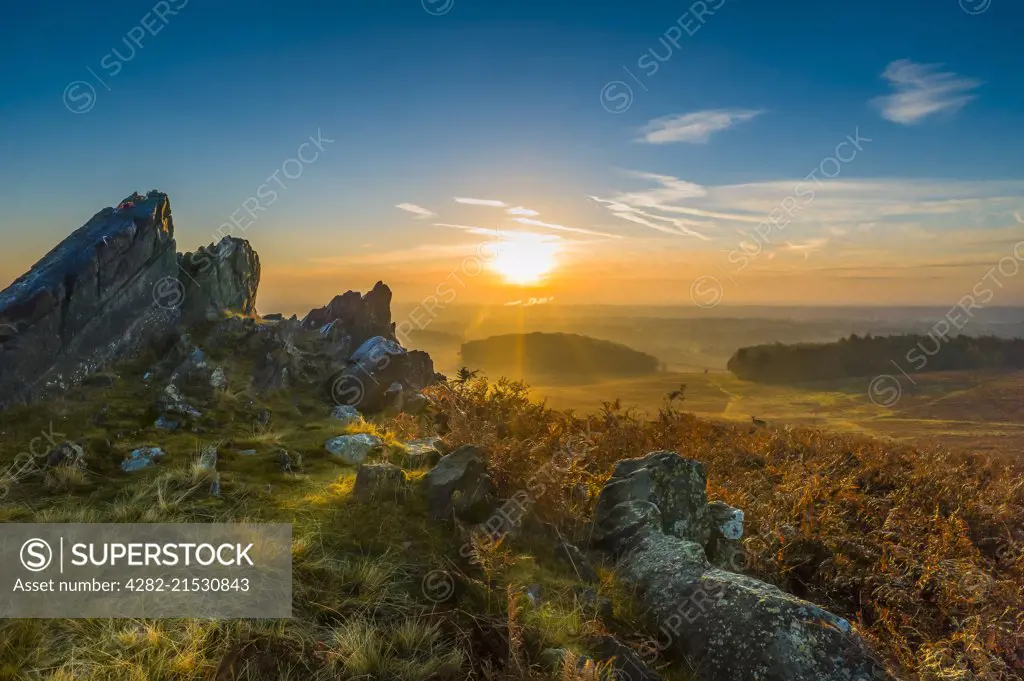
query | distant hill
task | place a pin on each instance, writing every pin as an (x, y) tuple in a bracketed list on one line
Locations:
[(867, 356), (556, 354)]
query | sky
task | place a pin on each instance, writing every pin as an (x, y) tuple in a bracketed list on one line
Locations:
[(674, 153)]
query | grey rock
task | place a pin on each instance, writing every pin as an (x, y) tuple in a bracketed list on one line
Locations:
[(380, 481), (247, 452), (728, 521), (218, 379), (353, 449), (66, 454), (220, 277), (144, 457), (171, 401), (289, 462), (728, 626), (349, 416), (369, 380), (459, 484), (676, 486), (208, 459), (361, 316), (423, 452)]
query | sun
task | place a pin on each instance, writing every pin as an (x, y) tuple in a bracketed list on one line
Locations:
[(524, 259)]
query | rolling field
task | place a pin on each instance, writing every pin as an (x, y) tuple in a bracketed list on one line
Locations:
[(979, 411)]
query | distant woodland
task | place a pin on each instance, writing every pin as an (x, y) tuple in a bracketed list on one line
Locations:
[(873, 355), (566, 354)]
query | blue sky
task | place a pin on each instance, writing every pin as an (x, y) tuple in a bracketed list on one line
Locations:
[(433, 100)]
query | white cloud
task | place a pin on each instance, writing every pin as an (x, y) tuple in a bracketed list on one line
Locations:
[(480, 202), (922, 90), (694, 128), (419, 211), (563, 228), (519, 210)]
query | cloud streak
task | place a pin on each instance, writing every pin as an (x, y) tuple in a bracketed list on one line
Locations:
[(480, 202), (420, 212), (922, 90), (694, 128)]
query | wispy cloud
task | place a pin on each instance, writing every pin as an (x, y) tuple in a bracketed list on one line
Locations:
[(694, 128), (419, 211), (640, 218), (519, 210), (563, 228), (922, 90), (480, 202)]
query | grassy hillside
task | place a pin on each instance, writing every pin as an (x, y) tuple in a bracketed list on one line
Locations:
[(920, 550)]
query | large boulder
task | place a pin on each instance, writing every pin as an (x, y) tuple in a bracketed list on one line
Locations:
[(376, 370), (108, 288), (459, 485), (729, 627), (114, 287)]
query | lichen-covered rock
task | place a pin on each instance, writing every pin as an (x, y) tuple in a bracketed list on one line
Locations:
[(727, 520), (348, 416), (207, 459), (677, 486), (423, 452), (459, 484), (66, 454), (353, 449), (380, 481), (415, 403), (728, 626), (141, 458), (360, 317), (724, 549)]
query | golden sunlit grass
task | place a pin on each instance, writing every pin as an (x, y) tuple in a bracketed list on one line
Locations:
[(921, 550)]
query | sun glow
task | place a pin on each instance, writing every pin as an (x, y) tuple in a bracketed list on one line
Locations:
[(524, 259)]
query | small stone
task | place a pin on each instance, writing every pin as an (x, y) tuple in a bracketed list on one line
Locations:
[(218, 379), (247, 452), (66, 454), (263, 417), (353, 449), (415, 403), (728, 521), (164, 422), (348, 416), (208, 459), (423, 452), (141, 458)]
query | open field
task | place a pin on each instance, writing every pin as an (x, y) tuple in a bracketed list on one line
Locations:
[(980, 411)]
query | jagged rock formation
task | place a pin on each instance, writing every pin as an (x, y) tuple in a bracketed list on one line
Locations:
[(653, 517), (110, 289), (361, 317)]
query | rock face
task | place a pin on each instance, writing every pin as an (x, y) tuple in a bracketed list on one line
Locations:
[(219, 277), (380, 481), (361, 316), (654, 517), (110, 289), (88, 299)]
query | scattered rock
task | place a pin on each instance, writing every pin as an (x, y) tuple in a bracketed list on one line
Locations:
[(66, 454), (349, 416), (459, 485), (353, 449), (263, 417), (288, 462), (218, 379), (380, 481), (728, 626), (208, 459), (141, 458), (171, 401), (724, 549), (247, 452), (727, 521), (423, 452)]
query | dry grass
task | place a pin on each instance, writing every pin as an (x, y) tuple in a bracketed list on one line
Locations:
[(922, 550)]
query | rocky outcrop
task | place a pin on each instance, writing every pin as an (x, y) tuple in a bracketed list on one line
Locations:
[(111, 289), (654, 518), (360, 317), (380, 373), (459, 485), (219, 277), (89, 299)]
